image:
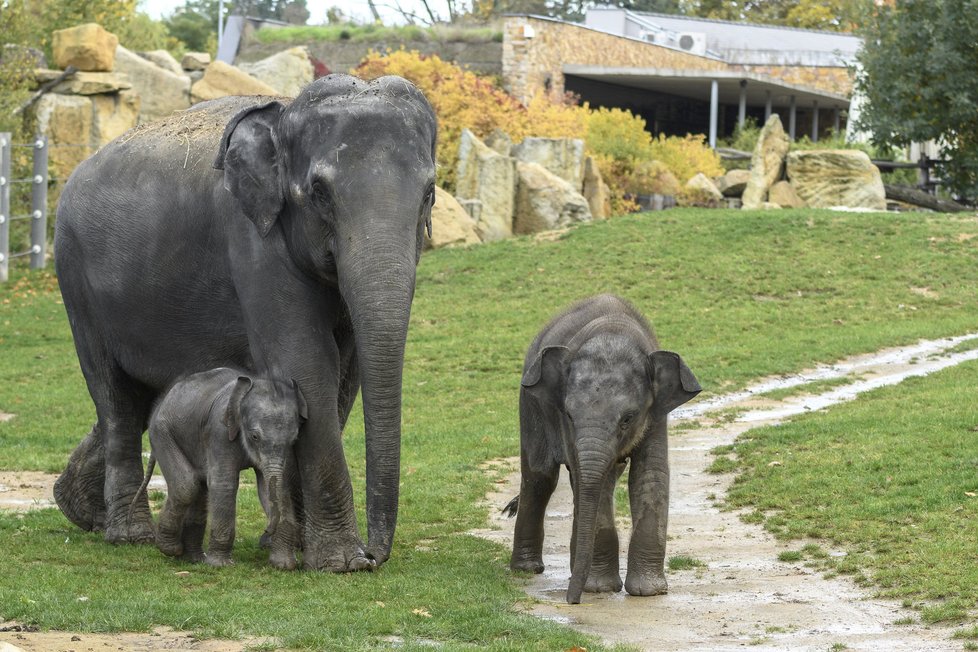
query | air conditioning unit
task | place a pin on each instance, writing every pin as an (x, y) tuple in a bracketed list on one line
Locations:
[(648, 37), (692, 42)]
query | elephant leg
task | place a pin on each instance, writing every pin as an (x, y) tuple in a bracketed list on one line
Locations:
[(604, 576), (183, 491), (111, 453), (536, 488), (349, 371), (79, 490), (194, 524), (648, 493), (222, 491)]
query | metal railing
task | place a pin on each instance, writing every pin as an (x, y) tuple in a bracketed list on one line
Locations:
[(39, 194)]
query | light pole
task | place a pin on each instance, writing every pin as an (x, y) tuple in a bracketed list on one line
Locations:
[(220, 23)]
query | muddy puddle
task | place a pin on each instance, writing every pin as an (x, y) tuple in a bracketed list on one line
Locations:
[(744, 597)]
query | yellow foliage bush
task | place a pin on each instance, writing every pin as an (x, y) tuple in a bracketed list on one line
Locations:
[(464, 100), (617, 139), (687, 155)]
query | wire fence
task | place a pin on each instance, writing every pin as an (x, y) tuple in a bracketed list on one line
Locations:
[(28, 193)]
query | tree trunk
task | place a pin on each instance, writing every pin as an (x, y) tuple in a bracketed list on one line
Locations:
[(920, 198)]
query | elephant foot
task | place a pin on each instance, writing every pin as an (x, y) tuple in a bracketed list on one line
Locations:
[(282, 560), (78, 491), (652, 583), (218, 560), (169, 548), (340, 557), (529, 565), (606, 583), (265, 541), (137, 530)]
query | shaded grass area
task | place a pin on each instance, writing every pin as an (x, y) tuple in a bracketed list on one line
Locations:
[(739, 294), (891, 478)]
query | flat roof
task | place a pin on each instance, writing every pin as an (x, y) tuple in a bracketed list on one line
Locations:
[(695, 84)]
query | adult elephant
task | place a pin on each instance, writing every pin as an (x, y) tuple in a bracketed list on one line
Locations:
[(277, 235)]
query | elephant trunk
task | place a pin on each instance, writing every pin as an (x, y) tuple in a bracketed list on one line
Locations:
[(595, 459), (283, 529), (377, 283)]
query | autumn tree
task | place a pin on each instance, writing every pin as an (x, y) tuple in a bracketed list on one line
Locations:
[(834, 15), (917, 73)]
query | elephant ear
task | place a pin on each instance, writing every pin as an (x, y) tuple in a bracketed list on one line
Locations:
[(232, 415), (249, 158), (300, 402), (672, 382), (544, 376)]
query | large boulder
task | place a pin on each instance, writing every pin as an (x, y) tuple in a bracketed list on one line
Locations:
[(88, 47), (164, 60), (733, 183), (700, 191), (485, 175), (287, 72), (596, 191), (161, 92), (766, 163), (653, 178), (195, 61), (450, 223), (83, 122), (545, 201), (836, 177), (563, 157), (783, 194), (221, 79), (84, 83)]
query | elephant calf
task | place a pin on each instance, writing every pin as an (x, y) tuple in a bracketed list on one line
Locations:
[(207, 429), (595, 392)]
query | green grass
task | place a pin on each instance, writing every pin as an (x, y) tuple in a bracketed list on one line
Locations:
[(740, 295), (373, 32), (814, 387), (684, 562)]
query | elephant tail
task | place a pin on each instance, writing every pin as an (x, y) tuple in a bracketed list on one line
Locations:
[(142, 488), (511, 507)]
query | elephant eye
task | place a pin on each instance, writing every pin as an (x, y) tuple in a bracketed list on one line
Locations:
[(255, 435), (626, 420), (320, 193)]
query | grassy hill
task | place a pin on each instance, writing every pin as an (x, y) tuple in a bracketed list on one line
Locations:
[(739, 294)]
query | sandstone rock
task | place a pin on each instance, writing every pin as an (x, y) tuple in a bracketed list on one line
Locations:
[(85, 83), (561, 156), (783, 194), (545, 201), (733, 183), (195, 61), (700, 191), (113, 114), (164, 60), (840, 177), (500, 141), (653, 178), (221, 79), (489, 177), (767, 162), (287, 72), (161, 92), (65, 120), (450, 223), (88, 47), (596, 191)]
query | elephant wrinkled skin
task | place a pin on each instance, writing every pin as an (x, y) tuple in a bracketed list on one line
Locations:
[(595, 394), (270, 234)]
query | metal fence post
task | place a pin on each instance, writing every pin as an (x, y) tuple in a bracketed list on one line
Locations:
[(39, 200), (6, 142)]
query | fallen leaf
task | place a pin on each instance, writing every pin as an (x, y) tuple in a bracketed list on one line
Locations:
[(775, 463), (182, 573), (421, 612), (970, 493), (380, 604)]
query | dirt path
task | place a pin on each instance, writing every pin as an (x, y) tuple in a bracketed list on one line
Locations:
[(745, 596)]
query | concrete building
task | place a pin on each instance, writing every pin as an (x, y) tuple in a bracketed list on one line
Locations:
[(682, 74)]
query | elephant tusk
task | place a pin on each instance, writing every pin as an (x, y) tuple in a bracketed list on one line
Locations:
[(427, 224)]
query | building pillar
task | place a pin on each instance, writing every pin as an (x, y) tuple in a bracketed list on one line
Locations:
[(815, 121), (767, 106), (742, 107), (714, 111), (792, 115)]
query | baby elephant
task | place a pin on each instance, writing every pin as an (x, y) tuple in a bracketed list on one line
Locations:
[(595, 392), (207, 429)]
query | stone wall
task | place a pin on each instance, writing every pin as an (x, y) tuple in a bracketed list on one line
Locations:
[(533, 65), (832, 80)]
